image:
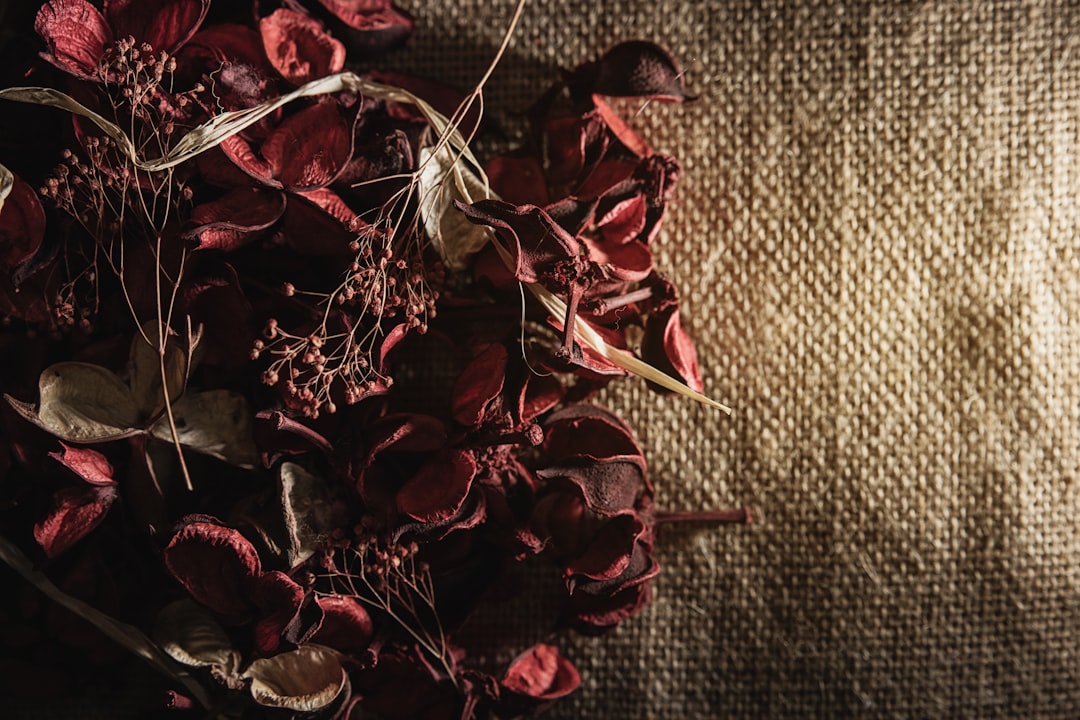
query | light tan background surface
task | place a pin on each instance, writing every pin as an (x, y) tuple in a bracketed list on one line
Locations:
[(876, 240)]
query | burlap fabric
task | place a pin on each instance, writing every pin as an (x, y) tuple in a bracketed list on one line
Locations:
[(876, 240)]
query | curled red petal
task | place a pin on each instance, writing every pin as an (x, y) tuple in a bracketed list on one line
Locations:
[(309, 149), (22, 226), (76, 33), (667, 347), (299, 47), (479, 384), (279, 598), (312, 227), (216, 564), (163, 24), (608, 554), (371, 26), (437, 489), (536, 241), (541, 672), (236, 219), (244, 157), (639, 68), (76, 511), (346, 624), (87, 463), (518, 180)]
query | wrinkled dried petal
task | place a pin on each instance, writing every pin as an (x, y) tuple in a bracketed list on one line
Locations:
[(76, 33), (278, 598), (299, 47), (235, 219), (192, 636), (216, 564), (519, 180), (163, 24), (346, 624), (639, 68), (88, 464), (22, 226), (536, 241), (307, 679), (479, 384), (309, 149), (76, 511), (371, 27), (541, 672), (437, 489), (609, 552), (668, 348)]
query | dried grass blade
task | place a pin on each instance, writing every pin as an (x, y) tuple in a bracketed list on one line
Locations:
[(126, 635)]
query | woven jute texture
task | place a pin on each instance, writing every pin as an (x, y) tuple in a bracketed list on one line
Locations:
[(876, 239)]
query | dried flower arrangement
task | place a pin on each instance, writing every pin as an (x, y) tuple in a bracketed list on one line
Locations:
[(288, 363)]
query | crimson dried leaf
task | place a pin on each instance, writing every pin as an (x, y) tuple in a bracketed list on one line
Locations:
[(235, 219), (163, 24), (88, 464), (346, 624), (76, 511), (309, 149), (299, 47), (216, 564), (541, 672), (22, 227), (437, 489), (76, 33)]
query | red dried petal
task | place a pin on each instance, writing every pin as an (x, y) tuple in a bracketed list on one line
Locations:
[(240, 152), (236, 219), (311, 230), (346, 625), (332, 204), (620, 129), (299, 47), (22, 226), (76, 33), (608, 554), (76, 511), (541, 672), (668, 348), (479, 384), (279, 598), (309, 149), (536, 241), (88, 464), (639, 68), (437, 489), (371, 26), (518, 180), (216, 564), (163, 24)]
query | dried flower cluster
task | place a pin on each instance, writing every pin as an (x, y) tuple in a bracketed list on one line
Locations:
[(282, 410)]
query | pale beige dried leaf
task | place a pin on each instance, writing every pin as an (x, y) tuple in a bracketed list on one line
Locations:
[(307, 512), (144, 367), (441, 180), (306, 679), (82, 403), (57, 99), (191, 635), (216, 423)]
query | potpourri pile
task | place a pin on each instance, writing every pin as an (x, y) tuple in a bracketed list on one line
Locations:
[(284, 406)]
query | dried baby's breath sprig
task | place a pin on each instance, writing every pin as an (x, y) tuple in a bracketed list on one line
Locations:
[(390, 579)]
